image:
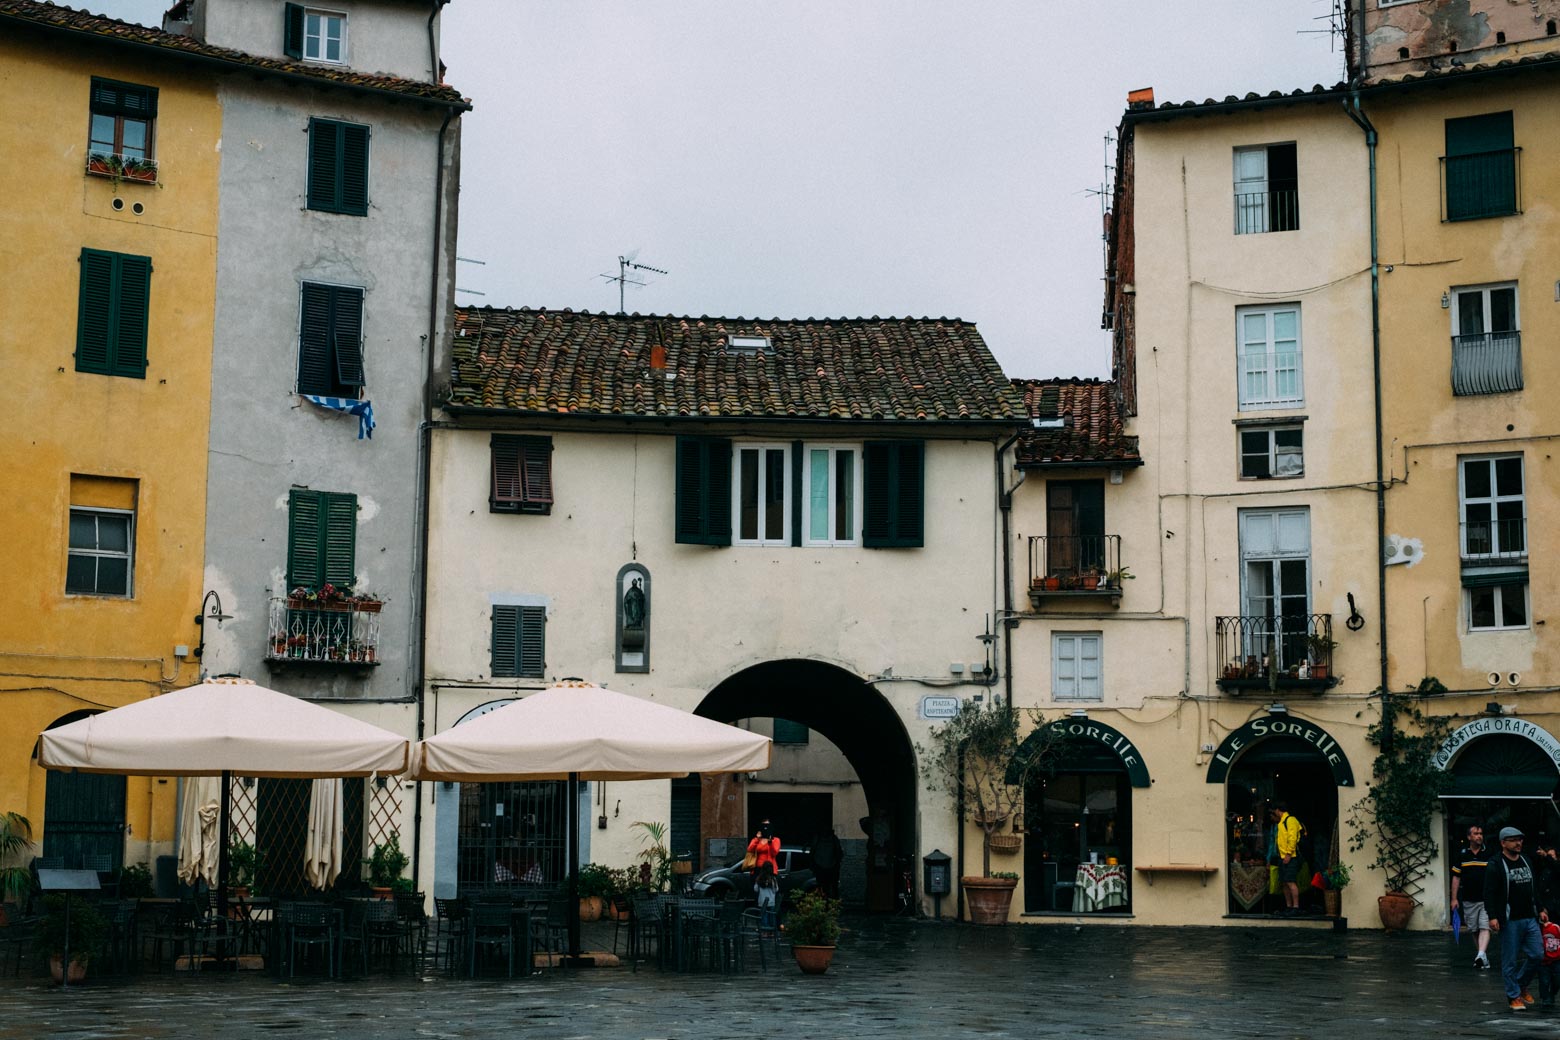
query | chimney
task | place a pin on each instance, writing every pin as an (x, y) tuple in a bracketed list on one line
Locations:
[(1143, 98), (657, 357)]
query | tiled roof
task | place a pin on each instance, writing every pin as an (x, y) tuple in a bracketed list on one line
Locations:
[(111, 30), (1092, 431), (579, 363)]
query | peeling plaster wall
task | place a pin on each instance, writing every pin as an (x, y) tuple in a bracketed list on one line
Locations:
[(1435, 31)]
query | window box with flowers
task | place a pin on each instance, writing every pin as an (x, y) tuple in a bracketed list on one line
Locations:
[(122, 167), (324, 626)]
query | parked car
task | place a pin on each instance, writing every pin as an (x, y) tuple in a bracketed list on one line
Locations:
[(795, 873)]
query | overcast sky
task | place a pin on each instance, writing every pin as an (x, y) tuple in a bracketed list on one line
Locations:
[(828, 158)]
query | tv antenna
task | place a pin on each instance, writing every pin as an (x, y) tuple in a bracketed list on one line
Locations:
[(624, 278)]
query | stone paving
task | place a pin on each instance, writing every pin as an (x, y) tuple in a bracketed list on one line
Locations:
[(891, 978)]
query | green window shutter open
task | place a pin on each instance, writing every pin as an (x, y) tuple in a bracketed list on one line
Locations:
[(112, 313), (519, 641), (347, 335), (314, 370), (292, 30), (338, 167), (893, 477), (704, 490), (321, 539)]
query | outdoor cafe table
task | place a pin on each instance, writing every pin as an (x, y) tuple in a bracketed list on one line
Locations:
[(678, 913), (1099, 886)]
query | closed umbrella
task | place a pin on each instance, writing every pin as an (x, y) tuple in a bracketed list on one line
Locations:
[(216, 729), (578, 731), (322, 852), (200, 827)]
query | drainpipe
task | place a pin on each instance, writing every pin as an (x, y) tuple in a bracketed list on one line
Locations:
[(1009, 622), (424, 450), (1354, 112)]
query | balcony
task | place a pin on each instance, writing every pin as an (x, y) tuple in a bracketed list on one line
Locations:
[(1064, 566), (1286, 652), (341, 634), (1487, 363), (1485, 184), (1261, 211), (1494, 543)]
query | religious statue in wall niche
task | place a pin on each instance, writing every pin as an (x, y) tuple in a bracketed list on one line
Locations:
[(634, 605), (633, 621)]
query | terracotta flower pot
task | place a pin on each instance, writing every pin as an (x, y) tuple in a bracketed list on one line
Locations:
[(78, 970), (988, 898), (813, 960), (1395, 909), (1332, 902), (590, 908)]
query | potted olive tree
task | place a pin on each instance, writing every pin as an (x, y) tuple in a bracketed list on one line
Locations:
[(813, 926), (1396, 815), (978, 759)]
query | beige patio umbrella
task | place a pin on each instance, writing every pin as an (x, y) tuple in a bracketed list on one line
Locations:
[(578, 731), (222, 727)]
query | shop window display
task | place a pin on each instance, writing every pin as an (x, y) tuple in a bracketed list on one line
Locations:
[(1281, 769), (1078, 842)]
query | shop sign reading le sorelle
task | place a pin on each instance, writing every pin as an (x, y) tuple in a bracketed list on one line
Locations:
[(1280, 726)]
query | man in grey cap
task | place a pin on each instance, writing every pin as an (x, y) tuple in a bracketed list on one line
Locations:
[(1511, 901)]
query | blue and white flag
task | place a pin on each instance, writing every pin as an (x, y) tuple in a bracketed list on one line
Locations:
[(364, 410)]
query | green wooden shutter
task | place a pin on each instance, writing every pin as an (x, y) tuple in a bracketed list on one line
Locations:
[(314, 367), (532, 645), (112, 98), (94, 312), (506, 645), (353, 197), (339, 559), (704, 490), (130, 316), (1472, 135), (324, 165), (798, 496), (346, 320), (1481, 167), (303, 539), (893, 478), (292, 30)]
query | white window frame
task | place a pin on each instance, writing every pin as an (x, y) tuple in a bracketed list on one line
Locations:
[(765, 538), (1270, 396), (1493, 500), (833, 484), (1458, 292), (318, 41), (128, 555), (1272, 450), (1297, 522), (1078, 686), (1499, 593)]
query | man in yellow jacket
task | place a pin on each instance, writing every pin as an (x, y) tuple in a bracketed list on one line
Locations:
[(1287, 831)]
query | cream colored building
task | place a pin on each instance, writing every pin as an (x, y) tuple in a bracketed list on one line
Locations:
[(748, 519), (1228, 469)]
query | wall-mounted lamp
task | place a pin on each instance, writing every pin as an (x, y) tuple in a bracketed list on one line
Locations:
[(1078, 713), (215, 615), (1277, 709), (1492, 708), (1446, 301)]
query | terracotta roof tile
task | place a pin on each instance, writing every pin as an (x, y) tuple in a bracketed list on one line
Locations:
[(1092, 434), (546, 361), (113, 31)]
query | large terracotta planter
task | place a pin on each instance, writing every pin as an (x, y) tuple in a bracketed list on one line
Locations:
[(813, 960), (590, 908), (988, 898), (1395, 909), (78, 970)]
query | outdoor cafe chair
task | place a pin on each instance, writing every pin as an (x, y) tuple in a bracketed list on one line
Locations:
[(550, 928), (622, 915), (308, 926), (493, 928), (16, 932), (451, 918), (753, 931), (412, 914), (374, 928), (693, 923), (169, 924), (646, 928)]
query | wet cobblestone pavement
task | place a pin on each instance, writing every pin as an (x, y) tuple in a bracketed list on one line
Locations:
[(890, 979)]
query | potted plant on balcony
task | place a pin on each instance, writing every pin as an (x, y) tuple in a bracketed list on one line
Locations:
[(1397, 813), (386, 865), (1320, 646), (1115, 577), (977, 757), (1091, 578), (367, 603), (813, 926)]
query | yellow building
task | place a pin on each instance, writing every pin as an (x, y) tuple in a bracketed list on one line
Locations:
[(1468, 179), (108, 236)]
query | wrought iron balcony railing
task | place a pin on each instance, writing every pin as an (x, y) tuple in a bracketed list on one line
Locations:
[(1260, 211), (1486, 184), (1487, 363), (1281, 651), (1076, 564), (1494, 541), (302, 631)]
